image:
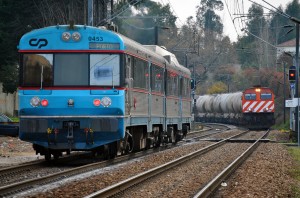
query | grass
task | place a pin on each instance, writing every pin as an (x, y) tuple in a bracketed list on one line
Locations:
[(295, 153), (282, 127), (295, 171), (15, 119)]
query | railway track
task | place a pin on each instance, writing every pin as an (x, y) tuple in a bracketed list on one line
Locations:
[(144, 176), (23, 169), (25, 185), (122, 187)]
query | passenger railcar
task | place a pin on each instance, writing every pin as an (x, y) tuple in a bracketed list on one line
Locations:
[(87, 88), (253, 108)]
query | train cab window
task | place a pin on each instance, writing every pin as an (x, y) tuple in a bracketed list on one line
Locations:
[(37, 70), (157, 79), (265, 96), (250, 96), (105, 69), (185, 87), (172, 84), (71, 69)]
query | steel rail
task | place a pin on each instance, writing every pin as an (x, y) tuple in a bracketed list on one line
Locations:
[(6, 171), (14, 188), (215, 182), (123, 185)]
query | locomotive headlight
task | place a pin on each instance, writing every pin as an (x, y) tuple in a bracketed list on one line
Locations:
[(249, 109), (66, 36), (71, 103), (106, 101), (35, 101), (76, 36)]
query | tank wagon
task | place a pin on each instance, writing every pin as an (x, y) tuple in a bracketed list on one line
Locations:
[(252, 108), (87, 88)]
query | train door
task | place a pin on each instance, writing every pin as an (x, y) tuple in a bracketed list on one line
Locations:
[(129, 84), (180, 100)]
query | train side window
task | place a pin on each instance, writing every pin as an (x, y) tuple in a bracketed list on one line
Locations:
[(37, 68), (186, 87), (250, 96), (157, 79), (140, 74), (172, 84), (265, 96)]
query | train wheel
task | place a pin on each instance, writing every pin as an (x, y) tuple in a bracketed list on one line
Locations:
[(111, 150), (47, 156), (137, 139), (157, 141), (128, 143), (172, 135)]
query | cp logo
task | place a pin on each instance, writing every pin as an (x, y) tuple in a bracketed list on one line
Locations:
[(38, 42)]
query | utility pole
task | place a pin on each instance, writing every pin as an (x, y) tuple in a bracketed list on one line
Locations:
[(297, 80), (90, 12), (284, 76)]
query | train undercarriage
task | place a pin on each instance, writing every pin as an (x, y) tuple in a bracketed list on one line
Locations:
[(136, 139), (252, 121)]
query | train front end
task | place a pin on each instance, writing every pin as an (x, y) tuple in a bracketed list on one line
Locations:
[(258, 105), (71, 94)]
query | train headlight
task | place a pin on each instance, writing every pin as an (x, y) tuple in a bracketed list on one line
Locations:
[(249, 109), (35, 101), (66, 36), (266, 109), (71, 103), (106, 101), (76, 36)]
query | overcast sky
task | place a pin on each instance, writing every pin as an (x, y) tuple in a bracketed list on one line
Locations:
[(186, 8)]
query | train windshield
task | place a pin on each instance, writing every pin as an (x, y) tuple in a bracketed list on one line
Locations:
[(70, 70), (266, 96), (250, 96)]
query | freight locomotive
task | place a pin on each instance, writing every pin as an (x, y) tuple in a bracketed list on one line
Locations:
[(252, 108), (87, 88)]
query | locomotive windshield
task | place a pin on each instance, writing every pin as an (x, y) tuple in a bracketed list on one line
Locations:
[(70, 70), (266, 96), (250, 96)]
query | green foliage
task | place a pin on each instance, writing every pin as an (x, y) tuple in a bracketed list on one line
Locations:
[(207, 17), (148, 18), (218, 87)]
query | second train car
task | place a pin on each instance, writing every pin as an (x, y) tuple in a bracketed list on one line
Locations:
[(87, 88), (253, 108)]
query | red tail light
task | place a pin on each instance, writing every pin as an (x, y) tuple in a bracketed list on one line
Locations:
[(97, 102), (44, 103)]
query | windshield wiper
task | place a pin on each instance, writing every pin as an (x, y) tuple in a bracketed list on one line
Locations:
[(42, 78)]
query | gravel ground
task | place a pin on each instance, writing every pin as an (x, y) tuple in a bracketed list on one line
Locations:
[(13, 151), (265, 174)]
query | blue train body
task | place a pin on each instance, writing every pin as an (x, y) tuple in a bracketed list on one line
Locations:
[(85, 88)]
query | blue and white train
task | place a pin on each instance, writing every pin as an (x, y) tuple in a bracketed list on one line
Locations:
[(87, 88)]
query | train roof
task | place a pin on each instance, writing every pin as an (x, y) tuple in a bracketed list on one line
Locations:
[(156, 53), (46, 39)]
